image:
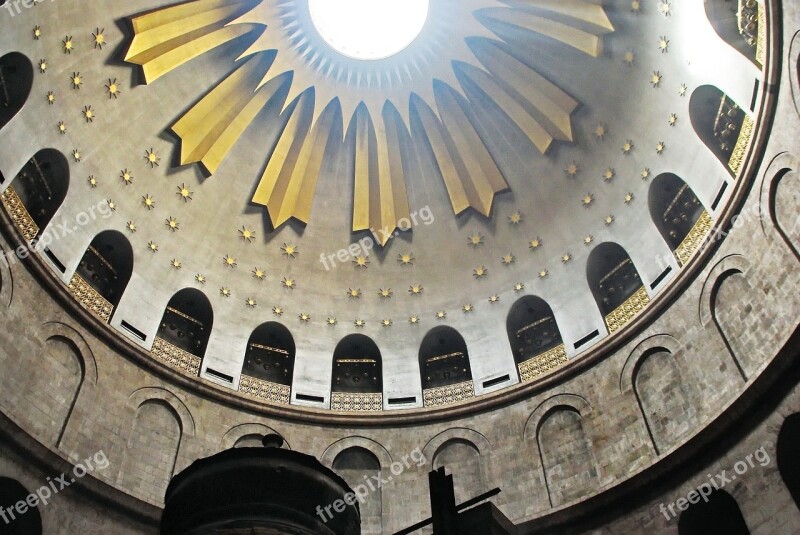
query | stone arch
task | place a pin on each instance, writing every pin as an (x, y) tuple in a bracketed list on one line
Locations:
[(358, 466), (463, 452), (660, 393), (772, 206), (368, 444), (569, 467), (76, 343), (161, 421), (151, 453), (6, 279), (719, 514), (11, 492), (16, 81), (730, 275), (794, 70), (378, 511), (234, 436), (152, 393)]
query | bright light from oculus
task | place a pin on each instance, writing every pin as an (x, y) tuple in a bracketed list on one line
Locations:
[(369, 29)]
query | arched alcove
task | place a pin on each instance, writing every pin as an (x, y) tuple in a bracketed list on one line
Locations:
[(358, 467), (37, 192), (149, 461), (16, 80), (269, 363), (739, 23), (357, 379), (462, 459), (663, 399), (784, 205), (721, 124), (103, 273), (566, 455), (184, 330), (616, 285), (444, 367), (678, 214), (718, 514), (787, 453), (534, 337), (734, 315), (11, 493)]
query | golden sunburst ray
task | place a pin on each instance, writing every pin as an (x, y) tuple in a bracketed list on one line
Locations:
[(167, 38), (210, 128), (285, 59), (288, 184)]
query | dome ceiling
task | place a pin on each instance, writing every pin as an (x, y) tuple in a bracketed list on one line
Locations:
[(502, 176)]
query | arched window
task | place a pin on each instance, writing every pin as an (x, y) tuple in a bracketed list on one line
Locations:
[(16, 80), (534, 337), (720, 514), (788, 451), (37, 192), (615, 284), (444, 366), (103, 273), (679, 215), (741, 25), (721, 124), (269, 363), (357, 383), (184, 330), (29, 523)]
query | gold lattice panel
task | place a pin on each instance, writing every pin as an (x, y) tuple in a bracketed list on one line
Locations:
[(737, 157), (19, 214), (541, 364), (695, 238), (761, 38), (90, 298), (176, 357), (347, 402), (266, 390), (446, 395), (627, 310)]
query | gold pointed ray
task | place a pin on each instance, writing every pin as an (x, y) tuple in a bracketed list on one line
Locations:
[(537, 106), (209, 129), (470, 175), (288, 185), (167, 38), (577, 23), (380, 199)]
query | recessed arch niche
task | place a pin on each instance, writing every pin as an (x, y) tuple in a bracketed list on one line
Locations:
[(680, 217), (357, 378), (444, 367), (616, 285)]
